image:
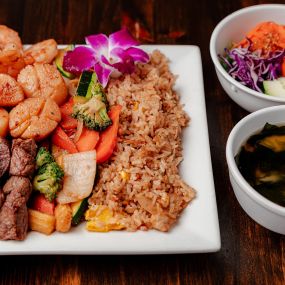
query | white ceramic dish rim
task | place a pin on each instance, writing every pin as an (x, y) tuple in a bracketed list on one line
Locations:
[(200, 235), (217, 63), (244, 185)]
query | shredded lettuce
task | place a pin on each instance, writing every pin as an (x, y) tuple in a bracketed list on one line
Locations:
[(251, 68)]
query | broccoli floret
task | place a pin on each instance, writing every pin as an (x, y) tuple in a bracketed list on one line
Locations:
[(48, 180), (98, 93), (43, 157), (93, 114)]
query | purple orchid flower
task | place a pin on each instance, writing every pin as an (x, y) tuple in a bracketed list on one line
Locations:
[(108, 56)]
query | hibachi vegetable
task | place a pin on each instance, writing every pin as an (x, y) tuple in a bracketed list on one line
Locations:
[(89, 87), (91, 103), (59, 61), (78, 210), (40, 203), (48, 179), (80, 170), (43, 157), (58, 154), (108, 138), (67, 122), (93, 113), (61, 139), (88, 140)]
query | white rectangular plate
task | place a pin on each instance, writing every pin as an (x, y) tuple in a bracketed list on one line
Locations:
[(197, 229)]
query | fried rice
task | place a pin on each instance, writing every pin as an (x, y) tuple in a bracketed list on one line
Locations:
[(140, 184)]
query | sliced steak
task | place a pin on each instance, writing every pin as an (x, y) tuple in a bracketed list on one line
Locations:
[(14, 212), (23, 157), (2, 198), (4, 156), (21, 184)]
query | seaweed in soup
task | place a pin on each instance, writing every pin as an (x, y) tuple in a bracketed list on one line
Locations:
[(261, 161)]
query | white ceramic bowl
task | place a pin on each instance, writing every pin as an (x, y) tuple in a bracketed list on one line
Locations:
[(260, 209), (233, 28)]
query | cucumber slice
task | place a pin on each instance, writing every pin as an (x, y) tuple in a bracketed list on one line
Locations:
[(59, 62), (275, 87), (78, 210)]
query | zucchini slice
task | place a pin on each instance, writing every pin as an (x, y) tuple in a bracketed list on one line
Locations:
[(78, 210), (59, 62), (89, 87)]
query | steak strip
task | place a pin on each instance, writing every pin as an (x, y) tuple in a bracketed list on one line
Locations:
[(14, 212), (23, 157), (5, 156)]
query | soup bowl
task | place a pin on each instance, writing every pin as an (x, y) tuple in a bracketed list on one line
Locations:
[(259, 208)]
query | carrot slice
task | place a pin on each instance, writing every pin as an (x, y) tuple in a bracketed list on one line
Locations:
[(66, 108), (267, 36), (40, 203), (67, 122), (87, 140), (108, 138), (61, 139)]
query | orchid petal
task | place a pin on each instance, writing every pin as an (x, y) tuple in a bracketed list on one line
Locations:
[(121, 39), (78, 60), (115, 73), (108, 56), (124, 62), (105, 60), (103, 73), (138, 54), (99, 43)]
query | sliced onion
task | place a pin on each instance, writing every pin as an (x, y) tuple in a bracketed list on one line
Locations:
[(78, 131), (80, 171), (72, 86)]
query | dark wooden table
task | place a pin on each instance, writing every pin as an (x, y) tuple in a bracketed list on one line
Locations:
[(250, 254)]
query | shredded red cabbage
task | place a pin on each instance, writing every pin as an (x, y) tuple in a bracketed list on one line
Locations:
[(251, 68)]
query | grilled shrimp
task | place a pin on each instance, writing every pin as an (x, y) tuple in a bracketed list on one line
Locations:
[(43, 80), (10, 45), (11, 52), (13, 68), (42, 52)]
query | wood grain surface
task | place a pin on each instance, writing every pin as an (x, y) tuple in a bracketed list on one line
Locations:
[(250, 254)]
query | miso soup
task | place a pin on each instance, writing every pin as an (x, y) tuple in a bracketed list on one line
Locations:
[(261, 161)]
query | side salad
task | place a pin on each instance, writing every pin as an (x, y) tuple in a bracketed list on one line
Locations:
[(258, 61)]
